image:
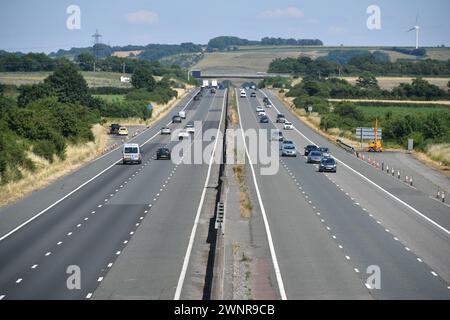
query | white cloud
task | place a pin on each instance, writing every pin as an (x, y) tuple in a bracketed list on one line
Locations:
[(143, 17), (290, 12)]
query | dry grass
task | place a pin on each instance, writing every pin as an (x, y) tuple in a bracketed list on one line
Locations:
[(234, 116), (440, 153), (76, 156), (245, 204)]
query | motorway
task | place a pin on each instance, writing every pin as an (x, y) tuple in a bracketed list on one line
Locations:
[(88, 218), (131, 229), (328, 232)]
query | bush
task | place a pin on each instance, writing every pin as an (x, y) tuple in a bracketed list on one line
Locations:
[(319, 105), (45, 149), (109, 90)]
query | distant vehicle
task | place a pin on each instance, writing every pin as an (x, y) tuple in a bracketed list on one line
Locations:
[(309, 148), (176, 119), (253, 94), (259, 109), (243, 94), (183, 135), (114, 128), (197, 97), (163, 153), (253, 87), (213, 90), (288, 150), (328, 165), (182, 114), (315, 157), (264, 119), (325, 151), (281, 118), (214, 84), (166, 130), (268, 105), (262, 113), (131, 153), (266, 100), (123, 131), (277, 135), (288, 125), (205, 83), (190, 127)]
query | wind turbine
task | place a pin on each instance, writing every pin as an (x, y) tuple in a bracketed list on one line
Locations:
[(416, 28)]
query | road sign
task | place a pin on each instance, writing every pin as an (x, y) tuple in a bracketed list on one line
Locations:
[(368, 133)]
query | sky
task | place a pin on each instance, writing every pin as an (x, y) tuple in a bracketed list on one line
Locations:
[(41, 25)]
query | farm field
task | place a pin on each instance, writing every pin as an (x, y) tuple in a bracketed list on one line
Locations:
[(398, 111), (94, 79)]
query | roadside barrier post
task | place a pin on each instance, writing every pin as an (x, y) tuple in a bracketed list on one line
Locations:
[(382, 166), (438, 194), (443, 196), (393, 172), (411, 181), (398, 174)]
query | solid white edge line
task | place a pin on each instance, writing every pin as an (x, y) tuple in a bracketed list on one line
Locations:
[(197, 217), (79, 187), (371, 182), (263, 211)]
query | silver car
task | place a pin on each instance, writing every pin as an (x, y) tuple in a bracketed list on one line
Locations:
[(288, 150), (315, 157)]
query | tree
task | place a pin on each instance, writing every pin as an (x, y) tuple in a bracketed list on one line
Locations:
[(349, 110), (434, 126), (86, 61), (69, 85), (142, 78), (2, 89), (367, 80), (33, 92)]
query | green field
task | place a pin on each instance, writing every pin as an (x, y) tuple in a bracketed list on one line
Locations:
[(398, 111), (111, 97), (94, 79)]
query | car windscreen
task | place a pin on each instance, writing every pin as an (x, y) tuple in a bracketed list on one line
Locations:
[(315, 153), (328, 161), (131, 150), (289, 147)]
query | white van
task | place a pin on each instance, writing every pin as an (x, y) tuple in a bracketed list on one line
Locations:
[(182, 114), (131, 153)]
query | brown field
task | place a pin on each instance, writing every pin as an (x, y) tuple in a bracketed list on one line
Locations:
[(94, 79)]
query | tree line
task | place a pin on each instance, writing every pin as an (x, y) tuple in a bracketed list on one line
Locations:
[(225, 42), (375, 63)]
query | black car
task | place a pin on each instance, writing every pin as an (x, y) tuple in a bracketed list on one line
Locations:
[(264, 119), (114, 128), (327, 165), (266, 100), (163, 153), (213, 90), (309, 148), (281, 118), (176, 119)]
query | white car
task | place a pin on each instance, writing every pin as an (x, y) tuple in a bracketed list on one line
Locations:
[(262, 113), (166, 130), (243, 95), (259, 109), (183, 135), (268, 105), (182, 114), (189, 128), (288, 125)]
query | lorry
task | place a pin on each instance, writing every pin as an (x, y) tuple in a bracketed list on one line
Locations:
[(205, 84), (182, 114), (214, 83)]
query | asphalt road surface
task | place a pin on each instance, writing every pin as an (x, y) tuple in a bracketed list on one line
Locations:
[(92, 226), (332, 232)]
